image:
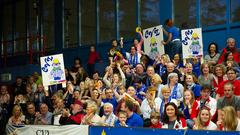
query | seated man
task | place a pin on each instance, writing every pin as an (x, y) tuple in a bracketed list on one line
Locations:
[(231, 47), (232, 78), (44, 117), (109, 118), (204, 100), (133, 119), (30, 116), (76, 115), (229, 99), (110, 98)]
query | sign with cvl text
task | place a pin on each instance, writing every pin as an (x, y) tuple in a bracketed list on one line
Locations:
[(152, 41), (52, 68), (192, 44)]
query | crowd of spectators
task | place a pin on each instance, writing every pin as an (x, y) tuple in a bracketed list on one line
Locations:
[(201, 93)]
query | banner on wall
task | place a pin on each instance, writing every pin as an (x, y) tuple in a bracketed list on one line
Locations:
[(51, 130), (152, 41), (192, 44), (52, 68)]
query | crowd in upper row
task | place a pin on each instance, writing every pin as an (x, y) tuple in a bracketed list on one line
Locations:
[(135, 91)]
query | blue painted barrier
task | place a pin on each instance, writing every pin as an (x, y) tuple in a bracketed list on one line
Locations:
[(97, 130)]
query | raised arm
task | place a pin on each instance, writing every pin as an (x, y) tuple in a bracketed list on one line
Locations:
[(122, 74), (105, 80)]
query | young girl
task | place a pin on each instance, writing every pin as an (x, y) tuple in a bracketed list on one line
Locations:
[(188, 101), (172, 119), (204, 120), (155, 120)]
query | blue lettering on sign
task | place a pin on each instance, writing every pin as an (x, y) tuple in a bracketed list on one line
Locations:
[(46, 65), (154, 31), (187, 34)]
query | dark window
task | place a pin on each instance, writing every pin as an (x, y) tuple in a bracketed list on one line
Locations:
[(213, 12), (20, 46), (34, 16), (107, 20), (235, 10), (88, 21), (127, 18), (185, 13), (7, 28), (70, 23), (150, 13), (48, 24)]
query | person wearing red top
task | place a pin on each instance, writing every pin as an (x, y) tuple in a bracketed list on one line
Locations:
[(231, 74), (92, 59), (205, 100), (74, 118), (230, 48), (219, 76), (155, 120)]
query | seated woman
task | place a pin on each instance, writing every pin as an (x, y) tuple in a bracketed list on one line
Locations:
[(204, 120), (156, 81), (4, 96), (175, 87), (166, 92), (172, 118), (191, 84), (178, 62), (17, 119), (206, 77), (229, 121), (229, 58), (219, 76), (91, 117), (212, 57)]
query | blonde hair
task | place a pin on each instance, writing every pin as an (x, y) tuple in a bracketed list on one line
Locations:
[(15, 108), (165, 58), (157, 78), (230, 120), (199, 125), (93, 105), (165, 89)]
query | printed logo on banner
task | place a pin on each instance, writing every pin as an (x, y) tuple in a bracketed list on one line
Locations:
[(192, 45), (152, 41), (103, 132), (52, 68), (42, 132)]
